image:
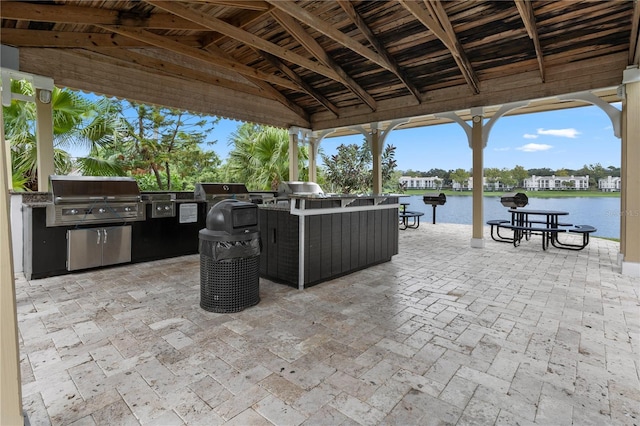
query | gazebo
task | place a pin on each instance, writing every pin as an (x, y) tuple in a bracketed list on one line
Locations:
[(323, 69)]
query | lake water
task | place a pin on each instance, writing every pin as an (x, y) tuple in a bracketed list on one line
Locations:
[(601, 212)]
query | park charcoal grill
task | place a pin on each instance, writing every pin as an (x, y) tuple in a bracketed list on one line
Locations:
[(514, 199), (79, 200), (435, 200)]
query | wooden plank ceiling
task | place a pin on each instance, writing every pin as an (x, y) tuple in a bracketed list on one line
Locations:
[(325, 64)]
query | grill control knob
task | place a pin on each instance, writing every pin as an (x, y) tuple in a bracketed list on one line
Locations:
[(73, 211), (167, 208), (127, 209), (101, 210), (159, 208)]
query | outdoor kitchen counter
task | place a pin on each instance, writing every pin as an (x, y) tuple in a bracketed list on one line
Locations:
[(45, 247), (316, 238)]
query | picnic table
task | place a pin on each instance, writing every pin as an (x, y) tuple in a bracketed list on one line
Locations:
[(404, 215), (527, 222)]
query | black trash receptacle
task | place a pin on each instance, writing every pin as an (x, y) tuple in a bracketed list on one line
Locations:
[(230, 257)]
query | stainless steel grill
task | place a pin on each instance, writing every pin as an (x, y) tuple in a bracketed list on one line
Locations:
[(93, 199), (299, 188), (214, 192)]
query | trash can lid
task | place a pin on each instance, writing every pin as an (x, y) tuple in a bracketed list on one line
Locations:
[(233, 217)]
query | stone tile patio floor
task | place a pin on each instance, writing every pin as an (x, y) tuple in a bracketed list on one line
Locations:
[(442, 334)]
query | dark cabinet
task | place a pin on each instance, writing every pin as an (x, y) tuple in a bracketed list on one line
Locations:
[(332, 244)]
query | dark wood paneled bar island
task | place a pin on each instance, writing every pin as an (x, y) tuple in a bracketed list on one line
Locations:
[(315, 238)]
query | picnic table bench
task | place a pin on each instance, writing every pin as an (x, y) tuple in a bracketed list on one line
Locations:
[(522, 228), (405, 215)]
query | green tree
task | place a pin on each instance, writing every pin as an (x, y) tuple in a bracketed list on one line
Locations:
[(260, 157), (165, 144), (77, 122), (541, 172), (460, 176), (595, 172), (347, 170), (351, 169), (519, 174), (492, 176)]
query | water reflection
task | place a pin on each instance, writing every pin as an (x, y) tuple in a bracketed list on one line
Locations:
[(600, 212)]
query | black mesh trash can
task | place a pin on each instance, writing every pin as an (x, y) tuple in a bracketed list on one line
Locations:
[(230, 257)]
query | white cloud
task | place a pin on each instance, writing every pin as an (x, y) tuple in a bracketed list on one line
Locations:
[(534, 147), (529, 136), (563, 133)]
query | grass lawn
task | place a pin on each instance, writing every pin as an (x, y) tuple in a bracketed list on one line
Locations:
[(530, 194)]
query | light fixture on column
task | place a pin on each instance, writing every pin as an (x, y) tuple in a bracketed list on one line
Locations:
[(44, 95)]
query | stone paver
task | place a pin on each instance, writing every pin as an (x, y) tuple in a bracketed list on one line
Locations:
[(442, 334)]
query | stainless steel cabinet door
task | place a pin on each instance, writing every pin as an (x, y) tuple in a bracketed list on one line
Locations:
[(84, 248), (116, 245)]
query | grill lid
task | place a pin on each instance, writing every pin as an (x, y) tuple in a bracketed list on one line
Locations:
[(208, 191), (300, 188), (73, 189)]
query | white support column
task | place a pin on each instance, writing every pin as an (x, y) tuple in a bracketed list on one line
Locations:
[(376, 152), (630, 173), (477, 145), (44, 137), (313, 158), (293, 155), (10, 384)]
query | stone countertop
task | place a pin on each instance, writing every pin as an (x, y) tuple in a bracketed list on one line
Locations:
[(340, 196)]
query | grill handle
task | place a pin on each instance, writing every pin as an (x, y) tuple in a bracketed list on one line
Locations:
[(104, 241), (98, 232)]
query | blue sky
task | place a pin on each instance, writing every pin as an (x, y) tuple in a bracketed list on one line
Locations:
[(558, 139), (567, 138)]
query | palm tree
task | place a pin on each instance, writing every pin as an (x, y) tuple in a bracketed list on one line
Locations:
[(260, 157), (77, 122)]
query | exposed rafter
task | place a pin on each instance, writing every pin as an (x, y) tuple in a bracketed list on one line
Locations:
[(240, 4), (68, 40), (435, 18), (243, 36), (39, 12), (329, 30), (350, 10), (210, 58), (634, 41), (525, 8), (265, 86), (136, 59), (277, 63), (316, 50)]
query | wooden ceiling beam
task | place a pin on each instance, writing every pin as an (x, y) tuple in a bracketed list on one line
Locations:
[(152, 64), (276, 94), (67, 14), (435, 19), (241, 20), (525, 8), (277, 63), (239, 34), (329, 30), (309, 43), (350, 10), (436, 9), (239, 4), (207, 57), (634, 41), (67, 39)]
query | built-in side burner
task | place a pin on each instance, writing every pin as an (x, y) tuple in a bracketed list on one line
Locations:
[(161, 205)]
